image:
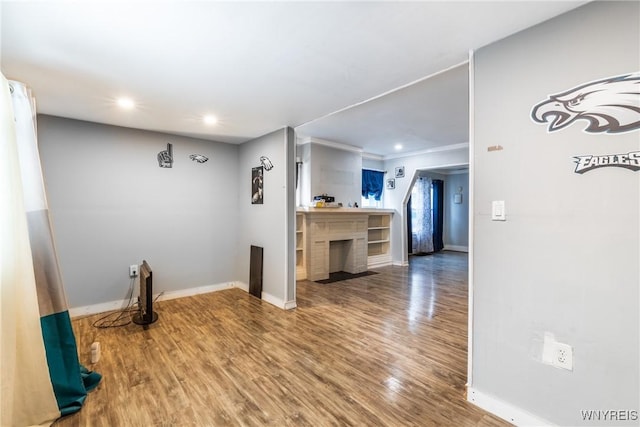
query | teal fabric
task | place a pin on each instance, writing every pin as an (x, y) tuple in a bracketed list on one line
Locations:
[(90, 379), (68, 376)]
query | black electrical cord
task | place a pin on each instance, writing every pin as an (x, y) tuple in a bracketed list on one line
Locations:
[(108, 320)]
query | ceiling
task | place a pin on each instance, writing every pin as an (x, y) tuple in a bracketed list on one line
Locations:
[(260, 66)]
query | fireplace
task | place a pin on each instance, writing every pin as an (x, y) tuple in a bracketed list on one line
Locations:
[(336, 241)]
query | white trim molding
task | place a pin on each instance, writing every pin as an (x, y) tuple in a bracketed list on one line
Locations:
[(450, 147), (401, 263), (504, 410), (162, 296), (290, 305), (285, 305), (332, 144), (371, 156), (456, 248), (471, 200)]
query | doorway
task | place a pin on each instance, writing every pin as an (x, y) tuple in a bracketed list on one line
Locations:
[(425, 216), (448, 205)]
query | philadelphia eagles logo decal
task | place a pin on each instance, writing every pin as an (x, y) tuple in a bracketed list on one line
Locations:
[(609, 106)]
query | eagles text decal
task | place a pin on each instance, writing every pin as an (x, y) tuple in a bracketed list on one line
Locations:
[(629, 161), (611, 106)]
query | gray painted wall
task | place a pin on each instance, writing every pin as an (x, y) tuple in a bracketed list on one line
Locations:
[(112, 206), (456, 215), (566, 261), (269, 225)]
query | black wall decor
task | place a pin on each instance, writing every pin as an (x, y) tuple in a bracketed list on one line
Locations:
[(165, 157), (257, 185)]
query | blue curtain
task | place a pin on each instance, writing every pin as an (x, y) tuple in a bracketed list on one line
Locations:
[(372, 183)]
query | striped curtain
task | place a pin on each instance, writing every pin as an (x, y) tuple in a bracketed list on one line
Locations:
[(42, 378), (421, 217)]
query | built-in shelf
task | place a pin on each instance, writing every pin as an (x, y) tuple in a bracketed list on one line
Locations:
[(379, 240), (301, 267), (320, 237)]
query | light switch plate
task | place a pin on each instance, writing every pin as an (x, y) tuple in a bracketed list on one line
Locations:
[(497, 211)]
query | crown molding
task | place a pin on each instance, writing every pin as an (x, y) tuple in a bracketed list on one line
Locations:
[(371, 156), (332, 144), (451, 147)]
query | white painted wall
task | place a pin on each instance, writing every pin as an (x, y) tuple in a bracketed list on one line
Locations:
[(374, 164), (304, 192), (112, 206), (567, 260), (335, 172)]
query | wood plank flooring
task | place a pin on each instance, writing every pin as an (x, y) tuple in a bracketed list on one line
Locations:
[(382, 350)]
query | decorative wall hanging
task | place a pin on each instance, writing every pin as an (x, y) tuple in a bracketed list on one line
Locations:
[(391, 184), (611, 105), (257, 186), (629, 161), (266, 163), (400, 172), (165, 157), (198, 158)]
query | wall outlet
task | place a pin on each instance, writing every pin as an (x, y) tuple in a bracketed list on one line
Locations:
[(133, 270), (562, 356)]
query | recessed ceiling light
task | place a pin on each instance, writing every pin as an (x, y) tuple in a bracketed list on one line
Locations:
[(126, 103), (209, 120), (398, 146)]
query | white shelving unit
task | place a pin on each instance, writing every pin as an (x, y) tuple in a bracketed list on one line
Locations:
[(301, 270), (379, 240), (318, 228)]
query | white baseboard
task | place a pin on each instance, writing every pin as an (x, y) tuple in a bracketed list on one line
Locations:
[(276, 301), (117, 305), (97, 308), (285, 305), (401, 263), (201, 290), (290, 305), (180, 293), (504, 410), (456, 248)]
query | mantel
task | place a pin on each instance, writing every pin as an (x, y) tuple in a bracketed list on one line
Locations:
[(345, 211)]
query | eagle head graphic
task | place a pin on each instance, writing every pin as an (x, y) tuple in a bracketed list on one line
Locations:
[(611, 105)]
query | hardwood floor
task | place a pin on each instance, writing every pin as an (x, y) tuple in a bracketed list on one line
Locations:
[(382, 350)]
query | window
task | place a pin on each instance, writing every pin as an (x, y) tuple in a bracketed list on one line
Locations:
[(372, 186)]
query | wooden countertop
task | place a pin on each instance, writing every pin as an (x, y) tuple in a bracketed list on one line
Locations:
[(345, 210)]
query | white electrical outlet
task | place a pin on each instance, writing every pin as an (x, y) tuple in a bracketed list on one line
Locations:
[(133, 270), (562, 356)]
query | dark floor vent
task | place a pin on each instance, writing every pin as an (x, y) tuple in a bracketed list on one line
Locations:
[(255, 271)]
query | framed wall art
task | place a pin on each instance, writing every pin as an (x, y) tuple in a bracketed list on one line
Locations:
[(257, 186), (391, 184)]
